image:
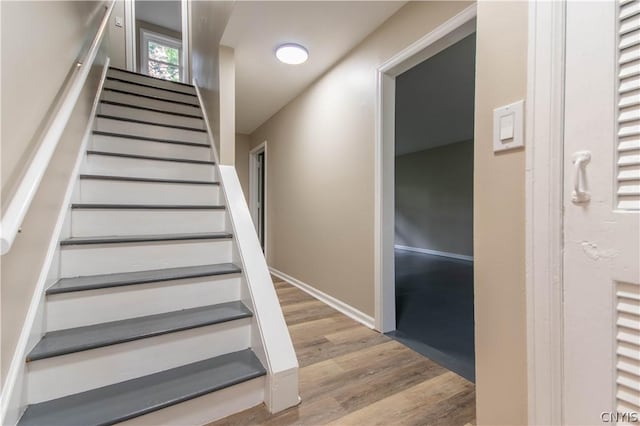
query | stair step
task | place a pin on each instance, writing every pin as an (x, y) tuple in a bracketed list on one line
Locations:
[(142, 165), (123, 190), (145, 238), (155, 97), (79, 339), (150, 139), (153, 131), (151, 123), (157, 82), (132, 398), (145, 138), (149, 157), (93, 282), (103, 206), (96, 219), (132, 88), (112, 95), (133, 145), (153, 115), (136, 179), (152, 86)]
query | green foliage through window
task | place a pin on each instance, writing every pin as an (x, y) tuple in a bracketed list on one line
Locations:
[(164, 61)]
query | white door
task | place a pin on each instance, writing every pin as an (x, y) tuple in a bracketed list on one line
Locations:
[(601, 369)]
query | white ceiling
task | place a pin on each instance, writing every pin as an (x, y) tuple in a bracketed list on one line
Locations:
[(328, 29), (435, 99), (165, 13)]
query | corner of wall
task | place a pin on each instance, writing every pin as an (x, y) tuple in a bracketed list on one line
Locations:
[(227, 105), (499, 229)]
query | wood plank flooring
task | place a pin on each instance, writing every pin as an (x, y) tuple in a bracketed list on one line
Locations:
[(351, 375)]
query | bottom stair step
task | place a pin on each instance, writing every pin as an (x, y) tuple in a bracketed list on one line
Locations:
[(62, 342), (132, 398)]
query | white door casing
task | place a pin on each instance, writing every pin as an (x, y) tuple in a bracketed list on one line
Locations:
[(601, 353), (441, 37), (257, 199)]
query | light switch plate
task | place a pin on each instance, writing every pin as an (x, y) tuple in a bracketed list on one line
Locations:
[(119, 21), (508, 127)]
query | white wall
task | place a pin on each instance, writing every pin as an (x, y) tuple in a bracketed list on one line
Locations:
[(41, 42), (499, 251), (115, 37), (321, 189), (243, 143), (208, 20), (321, 165)]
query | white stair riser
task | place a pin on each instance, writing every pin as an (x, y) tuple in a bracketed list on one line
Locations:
[(135, 167), (152, 116), (95, 222), (89, 307), (94, 259), (81, 371), (150, 81), (114, 191), (149, 148), (150, 91), (207, 408), (149, 130), (125, 98)]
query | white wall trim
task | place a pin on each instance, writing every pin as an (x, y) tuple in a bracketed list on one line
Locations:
[(543, 216), (186, 40), (216, 157), (336, 304), (130, 35), (253, 190), (450, 32), (435, 252), (276, 350), (12, 401)]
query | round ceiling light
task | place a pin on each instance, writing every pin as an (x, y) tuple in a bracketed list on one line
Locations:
[(292, 54)]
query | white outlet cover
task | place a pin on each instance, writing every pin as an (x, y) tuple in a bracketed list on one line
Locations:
[(511, 115)]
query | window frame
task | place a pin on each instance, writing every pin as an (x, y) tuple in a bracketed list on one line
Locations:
[(147, 36)]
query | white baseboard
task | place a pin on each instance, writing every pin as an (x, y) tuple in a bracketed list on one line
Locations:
[(435, 252), (336, 304)]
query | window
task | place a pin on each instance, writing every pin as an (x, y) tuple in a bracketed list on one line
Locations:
[(161, 56)]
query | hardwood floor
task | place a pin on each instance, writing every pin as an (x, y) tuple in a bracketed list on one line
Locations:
[(351, 375)]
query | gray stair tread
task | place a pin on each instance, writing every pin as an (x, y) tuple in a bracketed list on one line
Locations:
[(150, 139), (148, 206), (126, 400), (150, 86), (78, 339), (150, 123), (93, 282), (155, 98), (152, 180), (145, 238), (149, 157), (150, 109)]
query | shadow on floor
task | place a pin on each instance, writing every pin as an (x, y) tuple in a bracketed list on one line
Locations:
[(434, 309)]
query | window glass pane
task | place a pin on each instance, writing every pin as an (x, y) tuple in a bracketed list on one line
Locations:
[(164, 71), (164, 53)]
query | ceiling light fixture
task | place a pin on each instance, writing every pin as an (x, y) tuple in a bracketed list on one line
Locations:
[(292, 54)]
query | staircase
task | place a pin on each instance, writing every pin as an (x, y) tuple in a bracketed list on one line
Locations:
[(151, 322)]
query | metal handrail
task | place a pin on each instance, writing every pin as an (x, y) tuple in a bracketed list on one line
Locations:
[(23, 196)]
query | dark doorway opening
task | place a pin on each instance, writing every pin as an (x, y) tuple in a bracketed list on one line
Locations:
[(434, 207)]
